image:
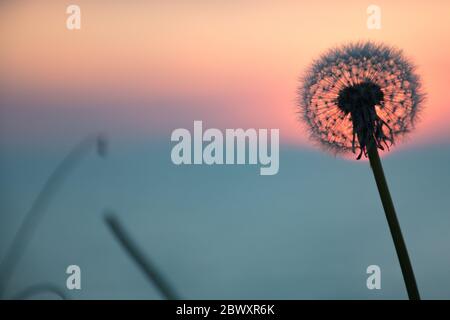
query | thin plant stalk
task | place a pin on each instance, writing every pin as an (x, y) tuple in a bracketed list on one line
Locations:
[(394, 226), (139, 258), (40, 204)]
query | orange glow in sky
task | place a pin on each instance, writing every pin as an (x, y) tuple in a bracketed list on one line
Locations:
[(228, 63)]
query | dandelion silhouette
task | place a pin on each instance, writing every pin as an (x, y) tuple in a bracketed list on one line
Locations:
[(360, 94), (364, 97)]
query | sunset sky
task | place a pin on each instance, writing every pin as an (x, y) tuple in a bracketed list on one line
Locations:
[(144, 68), (139, 69)]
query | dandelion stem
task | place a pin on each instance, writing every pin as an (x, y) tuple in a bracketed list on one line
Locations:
[(139, 258), (394, 226)]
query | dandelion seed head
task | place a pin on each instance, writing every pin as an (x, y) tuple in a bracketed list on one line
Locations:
[(359, 94)]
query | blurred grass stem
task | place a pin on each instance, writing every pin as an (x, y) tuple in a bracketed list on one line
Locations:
[(40, 204), (139, 258)]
